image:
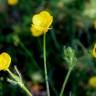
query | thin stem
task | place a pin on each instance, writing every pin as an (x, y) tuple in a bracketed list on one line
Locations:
[(45, 66), (65, 82), (11, 74), (19, 83), (24, 88)]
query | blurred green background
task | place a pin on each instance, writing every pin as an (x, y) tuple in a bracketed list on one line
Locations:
[(74, 24)]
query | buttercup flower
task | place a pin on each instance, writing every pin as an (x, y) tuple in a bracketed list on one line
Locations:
[(41, 23), (94, 24), (94, 51), (92, 82), (5, 61), (12, 2)]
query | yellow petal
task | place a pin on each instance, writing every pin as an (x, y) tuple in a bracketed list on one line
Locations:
[(37, 20), (92, 82), (43, 19), (5, 61), (47, 18), (41, 23), (36, 31), (94, 51), (12, 2)]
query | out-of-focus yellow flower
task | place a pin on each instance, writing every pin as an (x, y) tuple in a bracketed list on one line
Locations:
[(94, 24), (94, 51), (92, 82), (12, 2), (41, 23), (5, 61)]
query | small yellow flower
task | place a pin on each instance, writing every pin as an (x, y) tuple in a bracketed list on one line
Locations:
[(5, 61), (12, 2), (92, 82), (94, 24), (41, 23), (94, 51)]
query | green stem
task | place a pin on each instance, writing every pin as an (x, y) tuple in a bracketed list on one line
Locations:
[(45, 66), (65, 82), (19, 83), (24, 88), (11, 74)]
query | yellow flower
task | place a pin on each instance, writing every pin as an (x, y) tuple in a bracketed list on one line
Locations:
[(12, 2), (94, 51), (5, 61), (94, 24), (92, 82), (41, 23)]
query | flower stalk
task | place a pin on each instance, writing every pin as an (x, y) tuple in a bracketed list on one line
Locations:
[(71, 59), (65, 81), (45, 65), (18, 81)]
